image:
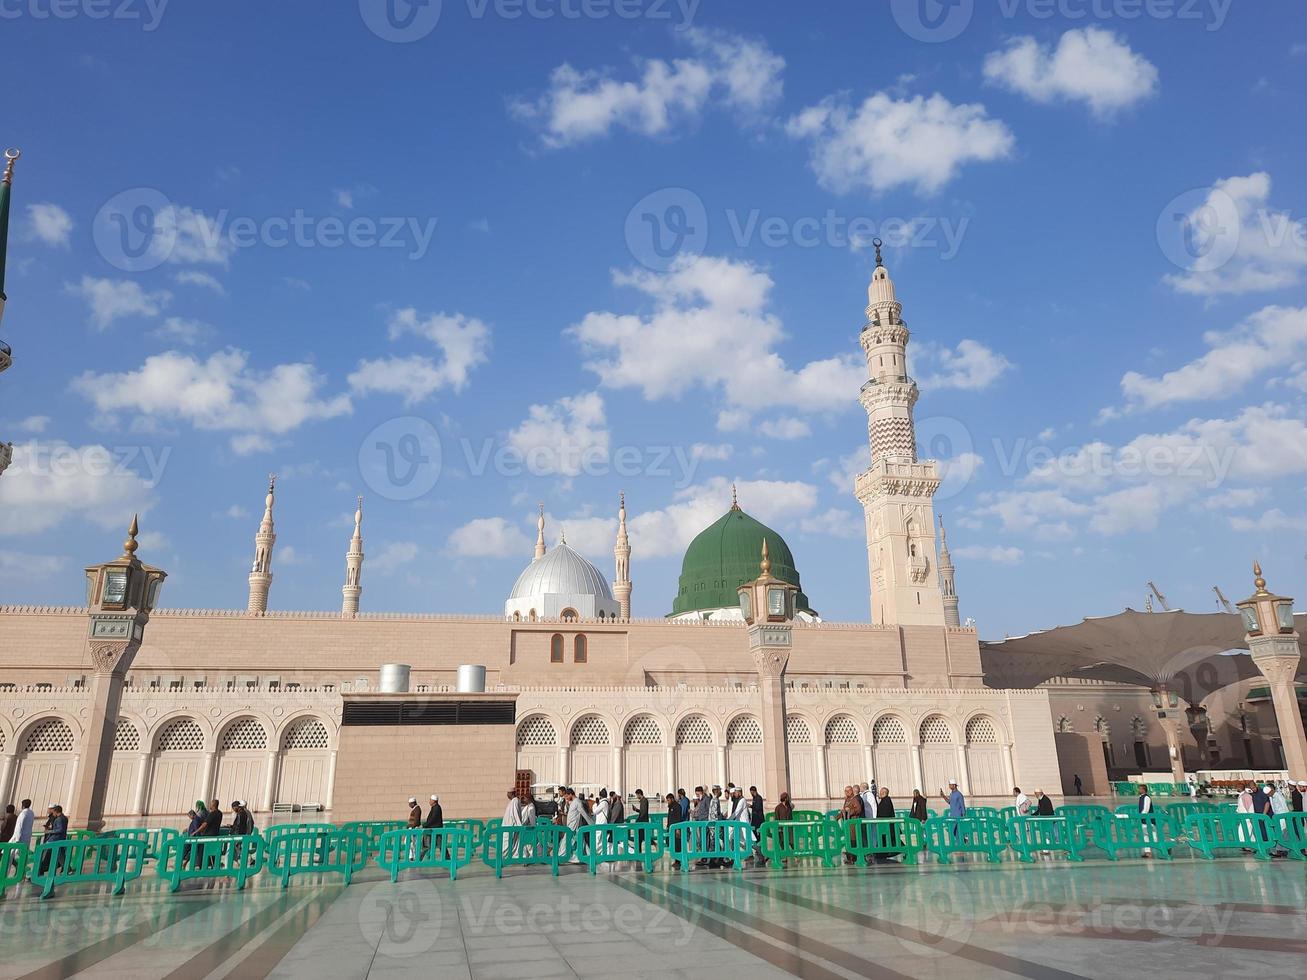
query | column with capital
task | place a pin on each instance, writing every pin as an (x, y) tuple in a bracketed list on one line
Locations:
[(120, 597), (768, 607), (1273, 642)]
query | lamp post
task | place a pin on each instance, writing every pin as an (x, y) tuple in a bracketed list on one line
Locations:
[(1273, 642), (120, 595), (767, 605)]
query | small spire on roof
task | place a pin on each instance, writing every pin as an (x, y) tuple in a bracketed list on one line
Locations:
[(1258, 581), (735, 503), (878, 243), (766, 560), (130, 545), (562, 535), (11, 154)]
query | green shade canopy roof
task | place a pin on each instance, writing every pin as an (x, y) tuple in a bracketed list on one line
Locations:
[(724, 556)]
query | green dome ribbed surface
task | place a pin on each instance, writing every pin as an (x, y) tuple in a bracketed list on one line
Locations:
[(725, 555)]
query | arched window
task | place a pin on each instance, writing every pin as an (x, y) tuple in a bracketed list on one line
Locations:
[(842, 730), (936, 731), (797, 731), (590, 730), (531, 615), (694, 730), (556, 648), (536, 731), (306, 733), (889, 731), (1064, 724), (643, 730), (744, 730), (181, 735), (51, 735), (126, 737), (568, 614), (981, 731), (580, 649), (1103, 728)]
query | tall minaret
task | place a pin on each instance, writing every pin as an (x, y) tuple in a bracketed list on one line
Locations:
[(897, 490), (622, 554), (6, 355), (946, 583), (540, 533), (353, 586), (261, 572)]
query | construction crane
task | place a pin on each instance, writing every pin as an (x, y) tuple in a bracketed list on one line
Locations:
[(1220, 598), (1161, 599)]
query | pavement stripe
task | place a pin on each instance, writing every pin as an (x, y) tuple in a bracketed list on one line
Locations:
[(860, 965), (216, 954), (272, 950), (89, 956), (977, 954), (783, 959)]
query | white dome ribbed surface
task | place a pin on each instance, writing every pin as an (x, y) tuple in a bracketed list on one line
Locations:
[(561, 571)]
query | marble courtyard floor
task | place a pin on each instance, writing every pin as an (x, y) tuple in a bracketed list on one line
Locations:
[(1050, 920)]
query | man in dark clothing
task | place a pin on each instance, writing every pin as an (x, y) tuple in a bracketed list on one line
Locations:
[(885, 811), (1080, 787), (616, 808), (675, 814), (684, 801), (641, 806), (757, 817), (1295, 797), (56, 829), (434, 821), (210, 826), (242, 824), (1045, 807)]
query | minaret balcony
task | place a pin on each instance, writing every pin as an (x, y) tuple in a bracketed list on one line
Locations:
[(918, 568), (888, 379), (6, 356)]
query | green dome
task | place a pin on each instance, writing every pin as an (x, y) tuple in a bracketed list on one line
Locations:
[(724, 556)]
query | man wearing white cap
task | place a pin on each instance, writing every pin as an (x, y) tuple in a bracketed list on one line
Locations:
[(957, 803)]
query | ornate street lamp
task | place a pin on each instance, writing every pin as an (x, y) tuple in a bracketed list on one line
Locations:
[(1273, 642), (120, 595)]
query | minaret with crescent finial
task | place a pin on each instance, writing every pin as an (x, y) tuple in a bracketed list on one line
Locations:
[(540, 532), (947, 585), (622, 556), (897, 491), (353, 587), (6, 355), (261, 571)]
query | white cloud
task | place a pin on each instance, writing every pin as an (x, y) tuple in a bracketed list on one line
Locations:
[(589, 535), (835, 522), (52, 482), (34, 423), (1239, 243), (888, 142), (236, 511), (222, 393), (845, 470), (710, 328), (463, 342), (344, 199), (580, 105), (186, 236), (785, 428), (998, 554), (390, 557), (712, 451), (1234, 499), (659, 533), (971, 366), (1266, 340), (181, 330), (18, 567), (1273, 520), (1088, 65), (490, 537), (111, 299), (563, 438), (194, 277), (50, 224)]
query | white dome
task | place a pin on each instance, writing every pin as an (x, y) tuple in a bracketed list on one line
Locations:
[(561, 571)]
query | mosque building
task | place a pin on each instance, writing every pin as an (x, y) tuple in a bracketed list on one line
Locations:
[(128, 713)]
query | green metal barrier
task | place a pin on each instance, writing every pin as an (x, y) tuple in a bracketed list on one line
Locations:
[(946, 836), (798, 815), (1030, 834), (14, 862), (156, 838), (640, 842), (478, 828), (904, 813), (867, 839), (786, 840), (1125, 788), (1210, 832), (317, 851), (544, 844), (373, 830), (1181, 809), (1292, 831), (68, 862), (993, 812), (186, 858), (1135, 831), (450, 848), (276, 830), (720, 840), (1088, 822)]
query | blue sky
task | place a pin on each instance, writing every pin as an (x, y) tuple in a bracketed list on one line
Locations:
[(277, 237)]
